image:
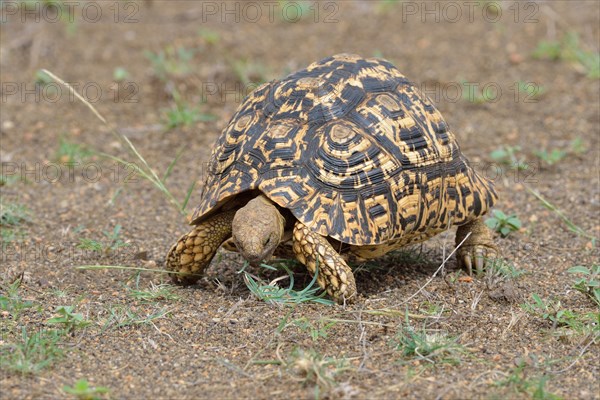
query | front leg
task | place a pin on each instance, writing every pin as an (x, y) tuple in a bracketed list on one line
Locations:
[(194, 250), (478, 249), (334, 275)]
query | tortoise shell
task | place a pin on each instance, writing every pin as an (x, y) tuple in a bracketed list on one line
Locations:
[(353, 149)]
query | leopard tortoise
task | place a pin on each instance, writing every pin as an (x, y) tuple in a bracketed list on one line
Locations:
[(344, 157)]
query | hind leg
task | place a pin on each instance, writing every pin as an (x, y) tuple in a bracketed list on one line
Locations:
[(479, 248)]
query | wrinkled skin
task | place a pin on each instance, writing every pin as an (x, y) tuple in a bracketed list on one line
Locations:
[(257, 230)]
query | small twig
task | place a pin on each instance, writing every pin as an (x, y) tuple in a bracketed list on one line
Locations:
[(388, 312), (234, 368), (514, 318), (227, 314), (436, 272), (162, 333), (362, 340), (581, 352), (352, 321), (476, 301)]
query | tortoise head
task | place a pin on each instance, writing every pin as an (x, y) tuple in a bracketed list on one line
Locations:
[(257, 229)]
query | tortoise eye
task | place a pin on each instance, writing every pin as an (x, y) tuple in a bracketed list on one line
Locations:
[(267, 241)]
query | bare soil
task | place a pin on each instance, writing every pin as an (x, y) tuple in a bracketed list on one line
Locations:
[(216, 340)]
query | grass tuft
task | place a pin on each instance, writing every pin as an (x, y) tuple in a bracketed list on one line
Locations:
[(68, 319), (32, 352), (172, 61), (69, 152), (182, 114), (272, 293), (500, 268), (432, 347), (532, 386), (502, 223), (83, 391), (112, 243), (566, 323), (317, 329), (162, 292), (120, 316), (12, 302), (589, 283), (570, 49), (12, 217), (312, 368)]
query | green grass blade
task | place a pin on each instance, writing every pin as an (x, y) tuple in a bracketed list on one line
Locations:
[(149, 173), (574, 228), (172, 164), (187, 196), (151, 178)]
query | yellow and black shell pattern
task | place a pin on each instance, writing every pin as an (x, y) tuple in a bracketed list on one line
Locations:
[(353, 149)]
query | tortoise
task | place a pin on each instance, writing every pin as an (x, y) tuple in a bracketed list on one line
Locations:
[(344, 157)]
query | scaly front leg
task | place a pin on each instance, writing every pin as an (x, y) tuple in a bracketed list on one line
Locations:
[(194, 250), (334, 275)]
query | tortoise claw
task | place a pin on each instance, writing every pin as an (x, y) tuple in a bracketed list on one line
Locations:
[(478, 249), (479, 260), (478, 256), (466, 261)]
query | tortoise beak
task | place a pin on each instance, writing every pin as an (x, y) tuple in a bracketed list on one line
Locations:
[(254, 251), (255, 262)]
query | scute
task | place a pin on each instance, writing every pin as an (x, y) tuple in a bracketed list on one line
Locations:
[(353, 149)]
